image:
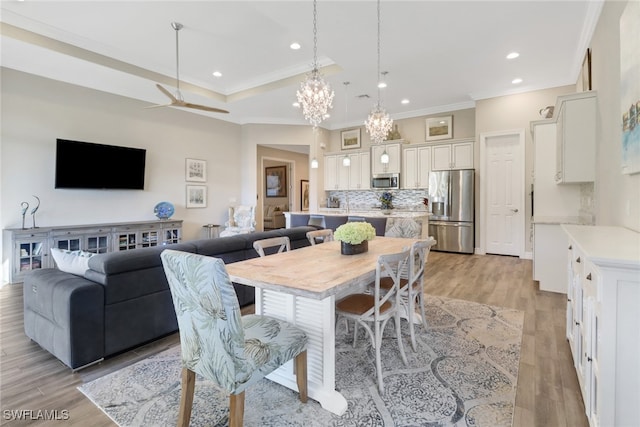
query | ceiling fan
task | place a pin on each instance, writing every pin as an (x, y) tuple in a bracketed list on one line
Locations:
[(177, 100)]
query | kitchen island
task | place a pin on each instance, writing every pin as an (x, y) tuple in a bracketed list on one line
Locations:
[(396, 222)]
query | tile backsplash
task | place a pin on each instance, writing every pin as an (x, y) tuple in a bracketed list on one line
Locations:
[(369, 199)]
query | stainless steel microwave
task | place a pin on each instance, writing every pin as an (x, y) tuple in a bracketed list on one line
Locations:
[(386, 180)]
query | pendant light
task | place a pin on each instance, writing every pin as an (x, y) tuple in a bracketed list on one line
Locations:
[(378, 124), (346, 160), (314, 161), (315, 95)]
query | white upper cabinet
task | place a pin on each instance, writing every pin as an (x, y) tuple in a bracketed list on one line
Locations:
[(576, 138), (359, 171), (356, 176), (457, 155), (393, 150), (416, 162)]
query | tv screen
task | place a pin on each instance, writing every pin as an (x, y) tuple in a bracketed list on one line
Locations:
[(98, 166)]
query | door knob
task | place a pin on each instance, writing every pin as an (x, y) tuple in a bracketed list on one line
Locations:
[(514, 210)]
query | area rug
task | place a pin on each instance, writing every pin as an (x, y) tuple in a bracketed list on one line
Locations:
[(463, 373)]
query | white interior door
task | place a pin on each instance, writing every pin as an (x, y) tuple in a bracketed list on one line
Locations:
[(504, 195)]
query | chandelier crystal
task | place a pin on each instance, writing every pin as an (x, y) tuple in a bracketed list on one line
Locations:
[(378, 124), (315, 95)]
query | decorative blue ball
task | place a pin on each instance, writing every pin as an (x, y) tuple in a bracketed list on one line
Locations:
[(164, 210)]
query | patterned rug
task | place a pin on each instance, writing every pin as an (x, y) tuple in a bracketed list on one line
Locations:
[(463, 374)]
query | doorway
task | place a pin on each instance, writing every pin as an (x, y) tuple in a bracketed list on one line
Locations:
[(277, 193), (502, 192)]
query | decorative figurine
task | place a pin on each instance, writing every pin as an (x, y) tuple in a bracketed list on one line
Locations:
[(33, 212), (25, 206)]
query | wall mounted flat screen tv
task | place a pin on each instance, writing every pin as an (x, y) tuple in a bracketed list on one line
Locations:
[(97, 166)]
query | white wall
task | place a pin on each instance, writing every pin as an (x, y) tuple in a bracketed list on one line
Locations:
[(617, 196), (36, 111)]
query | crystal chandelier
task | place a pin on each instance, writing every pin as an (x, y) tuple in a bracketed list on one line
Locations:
[(378, 124), (315, 95)]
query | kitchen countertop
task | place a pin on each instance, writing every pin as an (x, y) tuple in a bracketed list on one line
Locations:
[(578, 220), (606, 245), (371, 213)]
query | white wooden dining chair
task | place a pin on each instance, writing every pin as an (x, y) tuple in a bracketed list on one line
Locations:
[(377, 308), (412, 286), (268, 246), (320, 236)]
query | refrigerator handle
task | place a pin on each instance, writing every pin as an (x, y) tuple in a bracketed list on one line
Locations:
[(448, 205)]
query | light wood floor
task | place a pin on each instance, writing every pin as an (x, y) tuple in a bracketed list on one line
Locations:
[(548, 393)]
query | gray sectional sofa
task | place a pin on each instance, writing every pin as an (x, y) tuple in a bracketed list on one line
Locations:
[(123, 300)]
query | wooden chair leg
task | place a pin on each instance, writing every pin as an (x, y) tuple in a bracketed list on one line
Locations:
[(301, 375), (186, 397), (236, 410)]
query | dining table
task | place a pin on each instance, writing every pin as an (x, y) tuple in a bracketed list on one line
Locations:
[(301, 286)]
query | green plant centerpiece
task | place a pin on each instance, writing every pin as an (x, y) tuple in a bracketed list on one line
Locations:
[(354, 237)]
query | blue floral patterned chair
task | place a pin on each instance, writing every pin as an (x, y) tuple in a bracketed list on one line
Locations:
[(217, 342)]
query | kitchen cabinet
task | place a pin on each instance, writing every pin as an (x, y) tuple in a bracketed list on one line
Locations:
[(359, 171), (575, 116), (458, 155), (394, 165), (602, 323), (29, 249), (416, 165), (356, 176), (549, 257)]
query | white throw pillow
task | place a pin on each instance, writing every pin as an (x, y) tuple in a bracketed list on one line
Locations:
[(74, 262)]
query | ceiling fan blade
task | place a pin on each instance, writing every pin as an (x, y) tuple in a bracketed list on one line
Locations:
[(203, 107), (177, 101), (159, 105), (166, 92)]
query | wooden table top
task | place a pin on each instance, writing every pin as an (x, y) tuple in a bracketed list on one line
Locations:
[(315, 271)]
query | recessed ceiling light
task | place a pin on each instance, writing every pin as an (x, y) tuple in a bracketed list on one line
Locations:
[(382, 85), (516, 81), (296, 104), (405, 101), (217, 74), (295, 45), (513, 55)]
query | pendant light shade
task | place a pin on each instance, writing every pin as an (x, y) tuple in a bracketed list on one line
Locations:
[(346, 161), (378, 124), (315, 95), (314, 163), (384, 158)]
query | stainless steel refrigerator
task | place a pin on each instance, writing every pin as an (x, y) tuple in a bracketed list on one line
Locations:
[(451, 197)]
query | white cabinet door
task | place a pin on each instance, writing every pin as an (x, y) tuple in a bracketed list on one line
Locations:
[(416, 165), (365, 171), (441, 157), (357, 170), (462, 155), (576, 139), (393, 150), (452, 156), (330, 172), (343, 173)]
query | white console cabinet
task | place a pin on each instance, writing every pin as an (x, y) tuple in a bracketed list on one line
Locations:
[(29, 249), (603, 320)]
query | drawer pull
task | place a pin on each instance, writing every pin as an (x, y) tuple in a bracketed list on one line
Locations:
[(570, 247), (589, 276), (589, 359), (578, 260), (577, 323)]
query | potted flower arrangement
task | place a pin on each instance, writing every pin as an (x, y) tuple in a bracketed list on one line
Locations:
[(386, 201), (354, 237)]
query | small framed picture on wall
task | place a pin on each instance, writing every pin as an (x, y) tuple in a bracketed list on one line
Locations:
[(196, 196), (196, 170)]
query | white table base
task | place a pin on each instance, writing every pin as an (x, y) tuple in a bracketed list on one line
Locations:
[(317, 319)]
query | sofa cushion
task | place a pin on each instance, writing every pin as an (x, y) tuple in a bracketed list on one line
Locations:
[(136, 259), (74, 262)]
